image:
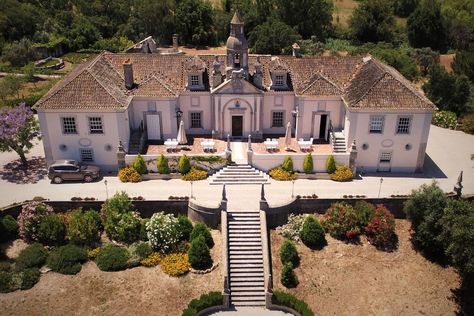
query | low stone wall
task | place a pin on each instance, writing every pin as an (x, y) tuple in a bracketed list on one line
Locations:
[(277, 215), (267, 162), (211, 216)]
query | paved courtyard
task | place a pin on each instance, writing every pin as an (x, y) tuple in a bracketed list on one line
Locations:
[(448, 153)]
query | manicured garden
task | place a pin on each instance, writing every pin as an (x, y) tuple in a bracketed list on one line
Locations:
[(116, 239)]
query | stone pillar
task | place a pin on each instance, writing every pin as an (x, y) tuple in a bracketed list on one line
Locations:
[(128, 74), (263, 201), (228, 151), (175, 43), (224, 199), (121, 156), (353, 158), (249, 151), (216, 72), (458, 186)]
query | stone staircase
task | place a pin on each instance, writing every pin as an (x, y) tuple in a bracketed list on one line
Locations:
[(134, 143), (338, 142), (239, 174), (246, 273)]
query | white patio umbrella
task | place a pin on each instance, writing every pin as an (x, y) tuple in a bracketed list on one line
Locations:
[(182, 140), (288, 136)]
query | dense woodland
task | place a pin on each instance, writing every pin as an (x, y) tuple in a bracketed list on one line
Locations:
[(407, 34)]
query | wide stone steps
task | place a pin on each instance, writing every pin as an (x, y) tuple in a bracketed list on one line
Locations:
[(247, 280), (239, 174)]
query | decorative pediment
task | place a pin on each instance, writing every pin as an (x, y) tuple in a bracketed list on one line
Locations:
[(237, 85), (195, 64)]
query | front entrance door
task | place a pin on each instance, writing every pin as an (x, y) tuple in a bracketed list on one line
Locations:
[(385, 161), (237, 125), (322, 126), (153, 126)]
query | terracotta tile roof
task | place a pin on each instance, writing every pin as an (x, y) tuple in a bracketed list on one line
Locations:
[(362, 82)]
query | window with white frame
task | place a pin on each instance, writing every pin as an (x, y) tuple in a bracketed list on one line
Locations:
[(151, 106), (87, 155), (69, 125), (376, 124), (194, 80), (196, 120), (385, 157), (403, 125), (277, 119), (279, 80), (95, 125)]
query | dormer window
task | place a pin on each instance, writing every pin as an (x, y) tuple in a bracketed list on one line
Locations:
[(194, 80), (279, 82), (237, 60)]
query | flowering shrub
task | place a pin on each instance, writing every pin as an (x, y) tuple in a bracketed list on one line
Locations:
[(152, 260), (175, 264), (341, 221), (281, 174), (83, 227), (162, 232), (381, 228), (30, 218), (129, 174), (121, 223), (445, 119), (52, 229), (92, 254), (292, 229), (365, 212), (194, 175), (342, 173)]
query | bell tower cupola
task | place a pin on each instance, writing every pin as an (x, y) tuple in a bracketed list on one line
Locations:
[(237, 47)]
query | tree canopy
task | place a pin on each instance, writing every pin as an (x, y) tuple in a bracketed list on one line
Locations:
[(373, 21)]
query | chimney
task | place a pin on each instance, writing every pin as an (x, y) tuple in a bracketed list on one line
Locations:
[(128, 74), (216, 72), (296, 50), (175, 43)]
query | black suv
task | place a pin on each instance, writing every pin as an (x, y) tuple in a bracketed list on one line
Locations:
[(72, 170)]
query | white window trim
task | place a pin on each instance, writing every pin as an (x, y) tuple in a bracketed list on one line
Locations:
[(282, 119), (75, 125), (279, 80), (101, 123), (382, 125), (410, 117), (191, 120), (192, 80), (81, 150)]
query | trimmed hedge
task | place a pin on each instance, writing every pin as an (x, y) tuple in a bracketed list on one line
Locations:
[(184, 165), (32, 256), (312, 234), (203, 302), (139, 164), (67, 259), (286, 299), (162, 165)]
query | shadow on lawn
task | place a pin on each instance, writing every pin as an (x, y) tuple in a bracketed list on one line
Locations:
[(13, 171)]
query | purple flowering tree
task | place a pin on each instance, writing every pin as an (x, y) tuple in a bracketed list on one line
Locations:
[(18, 129)]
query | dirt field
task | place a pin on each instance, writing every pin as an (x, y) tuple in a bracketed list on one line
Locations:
[(345, 279), (446, 61), (343, 9), (137, 291)]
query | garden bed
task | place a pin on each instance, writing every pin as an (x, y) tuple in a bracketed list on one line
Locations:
[(133, 291), (364, 280)]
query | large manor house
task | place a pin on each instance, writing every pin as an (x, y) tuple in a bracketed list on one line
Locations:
[(363, 102)]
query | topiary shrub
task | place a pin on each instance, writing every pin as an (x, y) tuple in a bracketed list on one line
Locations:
[(129, 174), (293, 227), (308, 164), (342, 173), (52, 230), (8, 228), (185, 227), (112, 258), (139, 164), (287, 164), (289, 254), (199, 254), (162, 165), (29, 219), (83, 227), (194, 175), (445, 119), (312, 234), (67, 259), (32, 256), (365, 212), (162, 231), (120, 222), (184, 165), (341, 221), (29, 277), (288, 277), (175, 264), (380, 229), (203, 302), (5, 282), (200, 229), (330, 164), (286, 299)]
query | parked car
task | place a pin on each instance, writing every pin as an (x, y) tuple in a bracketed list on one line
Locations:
[(72, 170)]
